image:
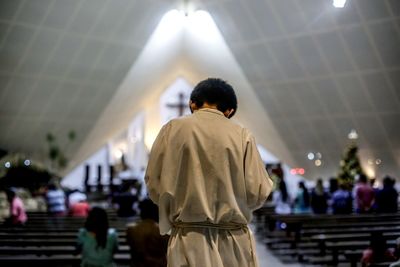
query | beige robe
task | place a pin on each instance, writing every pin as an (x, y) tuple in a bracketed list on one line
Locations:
[(205, 168)]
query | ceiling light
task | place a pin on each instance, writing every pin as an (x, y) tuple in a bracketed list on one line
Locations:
[(118, 153), (378, 161), (310, 156), (370, 172), (318, 162), (353, 135), (339, 3), (297, 171), (27, 162), (7, 164), (318, 155)]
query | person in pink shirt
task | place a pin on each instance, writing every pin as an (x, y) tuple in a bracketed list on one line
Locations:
[(378, 251), (80, 209), (365, 196), (78, 205), (17, 209)]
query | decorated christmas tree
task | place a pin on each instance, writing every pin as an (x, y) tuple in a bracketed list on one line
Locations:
[(350, 166)]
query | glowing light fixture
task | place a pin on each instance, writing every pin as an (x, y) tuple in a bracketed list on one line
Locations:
[(118, 153), (299, 171), (171, 24), (310, 156), (378, 161), (353, 135), (27, 162), (339, 3), (370, 172), (7, 164), (201, 24), (197, 22), (318, 162)]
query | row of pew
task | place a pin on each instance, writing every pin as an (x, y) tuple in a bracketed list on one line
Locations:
[(317, 240), (325, 240), (51, 241)]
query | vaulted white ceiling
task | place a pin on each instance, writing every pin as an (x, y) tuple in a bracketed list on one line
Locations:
[(318, 71)]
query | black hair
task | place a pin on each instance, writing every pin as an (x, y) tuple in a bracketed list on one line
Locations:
[(10, 194), (306, 195), (333, 185), (52, 186), (362, 178), (388, 181), (97, 222), (378, 246), (283, 189), (215, 91), (148, 210)]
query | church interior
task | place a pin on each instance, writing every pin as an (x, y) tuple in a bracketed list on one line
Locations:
[(86, 86)]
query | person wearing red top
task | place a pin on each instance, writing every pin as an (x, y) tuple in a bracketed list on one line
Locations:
[(365, 196), (80, 209), (78, 205), (377, 252)]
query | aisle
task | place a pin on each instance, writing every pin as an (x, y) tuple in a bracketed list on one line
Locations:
[(266, 258)]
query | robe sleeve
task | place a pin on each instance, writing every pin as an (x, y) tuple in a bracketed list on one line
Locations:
[(155, 164), (258, 182)]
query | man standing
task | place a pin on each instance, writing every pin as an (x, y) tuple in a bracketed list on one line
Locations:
[(365, 195), (207, 177)]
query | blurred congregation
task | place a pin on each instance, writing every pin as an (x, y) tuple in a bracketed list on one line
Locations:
[(68, 226)]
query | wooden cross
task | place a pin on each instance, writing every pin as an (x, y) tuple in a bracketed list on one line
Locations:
[(181, 105)]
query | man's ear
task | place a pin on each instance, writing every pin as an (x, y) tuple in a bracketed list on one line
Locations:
[(229, 113), (192, 106)]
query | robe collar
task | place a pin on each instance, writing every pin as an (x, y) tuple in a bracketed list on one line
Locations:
[(211, 110)]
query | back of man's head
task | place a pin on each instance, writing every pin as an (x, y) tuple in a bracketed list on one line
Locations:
[(362, 178), (148, 210), (215, 91)]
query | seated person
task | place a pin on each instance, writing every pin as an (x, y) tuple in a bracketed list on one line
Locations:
[(55, 197), (377, 251), (17, 210), (78, 205), (147, 246), (125, 201), (396, 254), (96, 241)]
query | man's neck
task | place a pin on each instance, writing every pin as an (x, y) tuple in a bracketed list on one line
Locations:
[(206, 105)]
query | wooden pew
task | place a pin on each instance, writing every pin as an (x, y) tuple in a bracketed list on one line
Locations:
[(338, 243), (45, 242), (66, 260), (46, 250), (42, 243), (296, 223), (354, 227), (355, 257)]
